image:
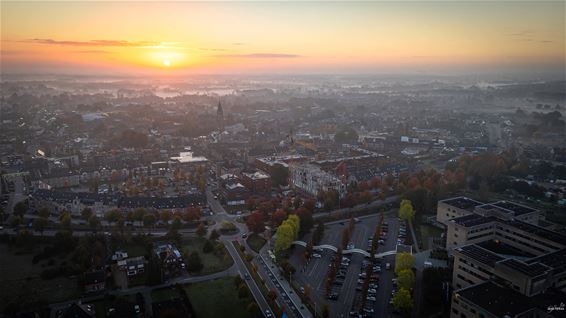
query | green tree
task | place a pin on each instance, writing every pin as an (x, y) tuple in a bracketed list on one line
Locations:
[(238, 280), (295, 223), (207, 247), (406, 279), (66, 220), (94, 222), (325, 311), (39, 224), (284, 236), (214, 235), (402, 300), (254, 309), (149, 220), (44, 212), (201, 230), (139, 213), (403, 261), (243, 291), (112, 215), (194, 263), (86, 213), (21, 208), (406, 211), (176, 224)]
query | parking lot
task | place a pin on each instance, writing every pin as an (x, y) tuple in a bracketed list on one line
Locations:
[(346, 289)]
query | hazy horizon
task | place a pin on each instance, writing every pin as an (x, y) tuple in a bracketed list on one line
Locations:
[(170, 39)]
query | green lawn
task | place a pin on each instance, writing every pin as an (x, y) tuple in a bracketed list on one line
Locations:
[(162, 294), (218, 298), (137, 280), (212, 262), (133, 249), (256, 242), (21, 283)]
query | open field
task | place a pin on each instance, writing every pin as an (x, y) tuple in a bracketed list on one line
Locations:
[(212, 262), (218, 298), (22, 278)]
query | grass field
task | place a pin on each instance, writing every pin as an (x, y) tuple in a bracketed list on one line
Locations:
[(20, 280), (163, 294), (133, 249), (218, 298), (256, 242), (212, 262)]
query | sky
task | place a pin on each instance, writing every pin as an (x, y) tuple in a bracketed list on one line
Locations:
[(262, 37)]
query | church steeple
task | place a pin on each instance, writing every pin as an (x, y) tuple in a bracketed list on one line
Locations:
[(220, 117)]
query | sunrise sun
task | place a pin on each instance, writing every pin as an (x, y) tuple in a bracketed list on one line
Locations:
[(166, 62)]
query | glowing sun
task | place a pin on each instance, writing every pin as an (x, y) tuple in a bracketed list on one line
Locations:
[(166, 62)]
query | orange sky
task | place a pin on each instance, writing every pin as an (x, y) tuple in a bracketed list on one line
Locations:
[(213, 37)]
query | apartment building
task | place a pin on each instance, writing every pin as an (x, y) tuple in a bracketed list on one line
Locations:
[(313, 180), (257, 182), (505, 264), (490, 300)]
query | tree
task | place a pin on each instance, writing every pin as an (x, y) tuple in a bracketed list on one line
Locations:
[(295, 223), (86, 213), (325, 311), (138, 214), (165, 216), (271, 295), (149, 220), (238, 280), (254, 309), (406, 211), (66, 220), (214, 235), (255, 222), (277, 218), (365, 197), (403, 261), (173, 235), (194, 263), (279, 174), (112, 215), (284, 237), (406, 279), (201, 230), (21, 208), (94, 222), (318, 233), (207, 247), (345, 237), (193, 214), (44, 212), (243, 291), (176, 224), (39, 224), (402, 300), (306, 218)]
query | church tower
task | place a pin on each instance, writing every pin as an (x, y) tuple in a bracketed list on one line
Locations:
[(220, 117)]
